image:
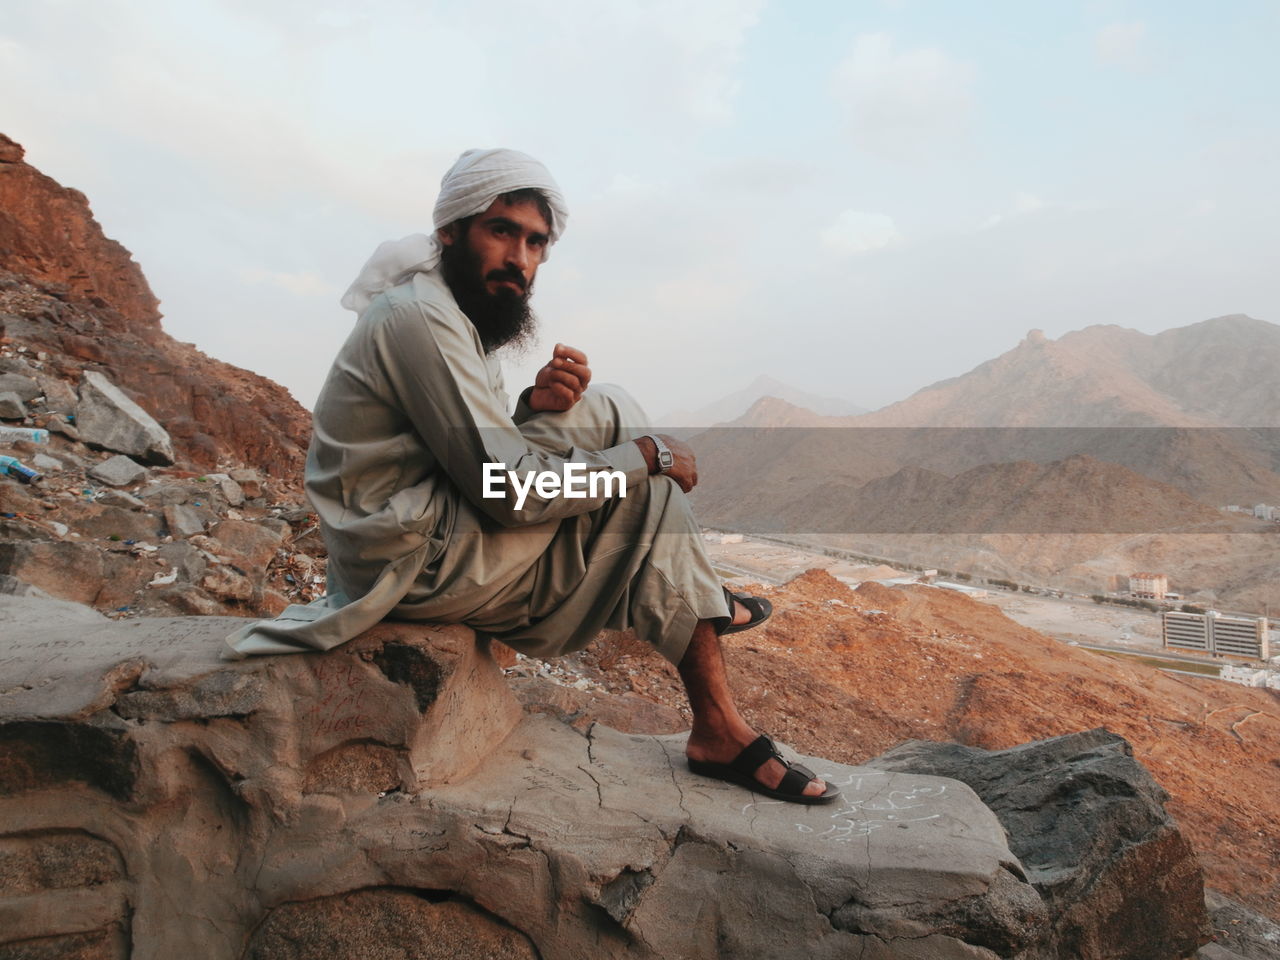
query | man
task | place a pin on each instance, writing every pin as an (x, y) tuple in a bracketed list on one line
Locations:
[(412, 435)]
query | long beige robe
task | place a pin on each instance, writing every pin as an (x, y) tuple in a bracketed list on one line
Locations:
[(410, 412)]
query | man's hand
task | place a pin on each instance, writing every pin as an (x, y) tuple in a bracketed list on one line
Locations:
[(685, 469), (559, 385)]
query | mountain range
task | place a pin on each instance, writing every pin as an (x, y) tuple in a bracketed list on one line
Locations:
[(1070, 461), (1221, 372), (738, 403)]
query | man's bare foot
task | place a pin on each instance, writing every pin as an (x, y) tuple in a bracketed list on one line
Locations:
[(719, 733), (725, 749)]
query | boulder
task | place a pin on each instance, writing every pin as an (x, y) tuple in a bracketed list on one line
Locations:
[(14, 528), (1238, 931), (119, 498), (118, 471), (230, 490), (1086, 820), (57, 424), (25, 388), (388, 798), (364, 922), (1212, 951), (184, 521), (249, 481), (187, 559), (13, 587), (189, 599), (23, 605), (252, 543), (101, 521), (11, 406), (224, 582), (67, 570), (46, 464), (166, 494), (106, 418), (59, 397)]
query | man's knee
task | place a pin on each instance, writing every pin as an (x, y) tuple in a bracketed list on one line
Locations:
[(608, 403), (605, 415)]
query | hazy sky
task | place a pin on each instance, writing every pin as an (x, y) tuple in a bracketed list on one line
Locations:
[(857, 198)]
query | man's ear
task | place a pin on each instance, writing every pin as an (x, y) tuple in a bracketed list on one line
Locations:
[(448, 234)]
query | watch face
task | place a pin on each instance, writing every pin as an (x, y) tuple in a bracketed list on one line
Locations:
[(666, 460)]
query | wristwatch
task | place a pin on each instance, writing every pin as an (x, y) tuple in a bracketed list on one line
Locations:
[(666, 459)]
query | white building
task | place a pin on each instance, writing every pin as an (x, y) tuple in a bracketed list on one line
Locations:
[(1245, 676), (713, 536), (1213, 633), (1151, 586)]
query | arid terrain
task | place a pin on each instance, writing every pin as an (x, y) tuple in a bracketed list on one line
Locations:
[(840, 673), (848, 674)]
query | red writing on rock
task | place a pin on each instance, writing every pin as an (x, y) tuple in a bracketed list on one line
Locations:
[(340, 706)]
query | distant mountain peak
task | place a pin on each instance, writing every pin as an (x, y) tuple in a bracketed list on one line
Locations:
[(735, 406), (1218, 372), (1238, 321)]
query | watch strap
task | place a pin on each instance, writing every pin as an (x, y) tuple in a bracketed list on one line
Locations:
[(666, 459)]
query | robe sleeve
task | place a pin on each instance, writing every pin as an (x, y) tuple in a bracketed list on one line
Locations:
[(432, 362)]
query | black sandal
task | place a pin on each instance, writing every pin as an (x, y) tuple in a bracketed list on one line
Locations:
[(759, 608), (743, 768)]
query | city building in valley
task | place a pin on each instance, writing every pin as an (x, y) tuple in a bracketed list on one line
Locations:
[(1214, 633), (1149, 586)]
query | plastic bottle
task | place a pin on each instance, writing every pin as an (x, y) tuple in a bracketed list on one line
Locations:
[(34, 434), (11, 466)]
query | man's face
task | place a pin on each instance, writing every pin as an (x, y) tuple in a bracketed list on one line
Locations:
[(489, 262), (507, 242)]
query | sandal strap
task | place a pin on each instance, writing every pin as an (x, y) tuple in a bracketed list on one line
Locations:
[(796, 778), (759, 608), (755, 753), (754, 605)]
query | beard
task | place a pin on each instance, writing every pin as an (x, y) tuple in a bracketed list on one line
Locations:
[(501, 319)]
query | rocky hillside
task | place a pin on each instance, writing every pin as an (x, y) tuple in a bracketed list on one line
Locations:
[(1219, 372), (1078, 494), (75, 296), (848, 674), (169, 480), (1066, 463)]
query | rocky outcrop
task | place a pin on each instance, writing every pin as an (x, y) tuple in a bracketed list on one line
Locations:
[(108, 419), (1085, 819), (129, 539), (1239, 932), (75, 301), (158, 802), (48, 233)]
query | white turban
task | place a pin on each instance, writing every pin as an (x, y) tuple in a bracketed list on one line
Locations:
[(472, 183)]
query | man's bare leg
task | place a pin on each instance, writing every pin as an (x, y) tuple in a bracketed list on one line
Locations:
[(719, 733)]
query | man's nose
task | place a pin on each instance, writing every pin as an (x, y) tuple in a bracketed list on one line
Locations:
[(518, 255)]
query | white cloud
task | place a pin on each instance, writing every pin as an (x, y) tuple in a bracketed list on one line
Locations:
[(856, 232), (301, 284), (901, 103), (1122, 45)]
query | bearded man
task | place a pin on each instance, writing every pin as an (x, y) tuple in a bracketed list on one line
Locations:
[(414, 409)]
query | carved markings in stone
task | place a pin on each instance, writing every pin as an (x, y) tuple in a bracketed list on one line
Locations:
[(342, 701), (866, 806)]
